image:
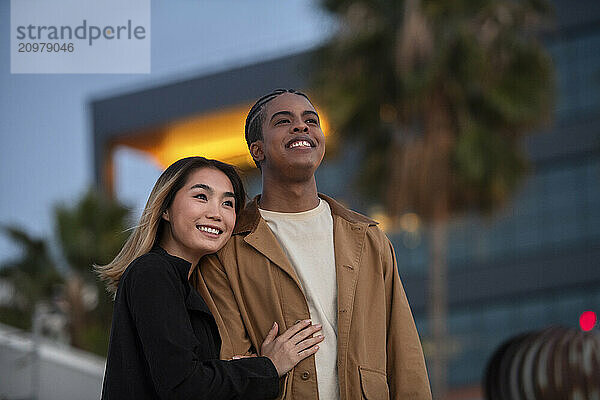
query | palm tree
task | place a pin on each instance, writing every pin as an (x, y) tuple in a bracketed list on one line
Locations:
[(439, 94), (33, 277), (90, 232)]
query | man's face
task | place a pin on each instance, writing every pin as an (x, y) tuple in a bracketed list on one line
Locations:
[(293, 143)]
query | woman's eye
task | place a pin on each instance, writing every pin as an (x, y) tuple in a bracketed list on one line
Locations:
[(201, 196), (228, 203)]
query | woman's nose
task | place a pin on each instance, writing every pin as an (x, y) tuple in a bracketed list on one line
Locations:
[(213, 211)]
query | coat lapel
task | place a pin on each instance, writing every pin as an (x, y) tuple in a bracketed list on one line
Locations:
[(348, 242), (265, 242), (349, 235), (260, 237)]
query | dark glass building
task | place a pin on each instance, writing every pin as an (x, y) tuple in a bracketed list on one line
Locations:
[(536, 262)]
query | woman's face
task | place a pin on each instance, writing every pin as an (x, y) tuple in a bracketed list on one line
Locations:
[(201, 217)]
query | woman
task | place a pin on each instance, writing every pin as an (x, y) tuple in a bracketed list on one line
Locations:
[(164, 341)]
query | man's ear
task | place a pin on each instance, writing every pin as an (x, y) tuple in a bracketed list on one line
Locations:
[(256, 151)]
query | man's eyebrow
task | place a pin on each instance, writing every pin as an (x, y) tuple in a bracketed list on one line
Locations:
[(309, 112), (288, 113)]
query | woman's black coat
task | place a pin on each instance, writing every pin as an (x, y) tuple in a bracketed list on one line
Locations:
[(164, 342)]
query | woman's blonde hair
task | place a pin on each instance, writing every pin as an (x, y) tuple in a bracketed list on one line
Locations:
[(148, 231)]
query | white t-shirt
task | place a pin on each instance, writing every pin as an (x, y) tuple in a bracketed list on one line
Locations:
[(307, 239)]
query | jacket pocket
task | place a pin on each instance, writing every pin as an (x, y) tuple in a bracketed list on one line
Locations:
[(373, 384)]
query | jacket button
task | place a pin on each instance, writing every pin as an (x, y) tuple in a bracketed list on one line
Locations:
[(305, 375)]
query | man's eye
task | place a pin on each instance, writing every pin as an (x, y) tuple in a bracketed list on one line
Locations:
[(282, 121), (312, 121), (201, 196)]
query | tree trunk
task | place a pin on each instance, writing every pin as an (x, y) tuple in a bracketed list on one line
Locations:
[(74, 297), (437, 188), (438, 309), (420, 181)]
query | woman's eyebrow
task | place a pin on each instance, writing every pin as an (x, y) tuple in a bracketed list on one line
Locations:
[(211, 190), (203, 186)]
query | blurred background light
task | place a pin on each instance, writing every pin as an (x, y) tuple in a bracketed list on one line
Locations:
[(587, 320)]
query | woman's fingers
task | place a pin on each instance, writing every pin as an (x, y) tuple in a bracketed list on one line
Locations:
[(285, 336), (292, 346), (305, 333), (272, 334), (307, 343), (308, 352)]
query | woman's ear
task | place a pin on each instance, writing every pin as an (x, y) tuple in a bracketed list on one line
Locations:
[(165, 215), (256, 150)]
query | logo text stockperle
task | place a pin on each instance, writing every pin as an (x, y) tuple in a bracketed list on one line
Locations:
[(83, 31)]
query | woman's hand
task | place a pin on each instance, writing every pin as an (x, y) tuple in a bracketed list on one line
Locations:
[(292, 346)]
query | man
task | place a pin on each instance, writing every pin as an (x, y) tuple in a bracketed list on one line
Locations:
[(296, 254)]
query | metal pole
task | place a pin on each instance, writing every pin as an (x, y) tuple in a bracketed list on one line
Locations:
[(37, 322)]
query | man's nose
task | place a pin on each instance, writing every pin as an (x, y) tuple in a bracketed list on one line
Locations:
[(300, 127)]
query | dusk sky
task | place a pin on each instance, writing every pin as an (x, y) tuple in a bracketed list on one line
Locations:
[(45, 124)]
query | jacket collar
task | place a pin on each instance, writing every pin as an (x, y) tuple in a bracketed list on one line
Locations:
[(248, 219), (183, 267)]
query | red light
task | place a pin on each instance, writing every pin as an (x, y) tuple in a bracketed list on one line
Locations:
[(587, 321)]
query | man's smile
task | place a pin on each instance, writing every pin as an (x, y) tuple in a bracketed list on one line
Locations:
[(300, 142)]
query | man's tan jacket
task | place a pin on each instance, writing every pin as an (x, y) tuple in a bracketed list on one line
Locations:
[(250, 283)]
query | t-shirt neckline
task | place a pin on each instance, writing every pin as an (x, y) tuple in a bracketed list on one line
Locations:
[(321, 207)]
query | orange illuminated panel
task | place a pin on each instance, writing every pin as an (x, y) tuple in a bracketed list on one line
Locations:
[(219, 135)]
